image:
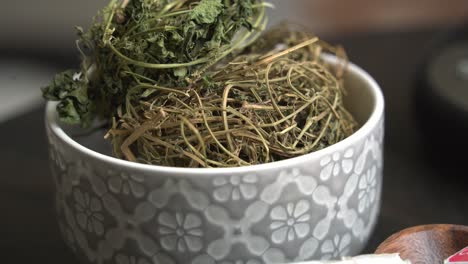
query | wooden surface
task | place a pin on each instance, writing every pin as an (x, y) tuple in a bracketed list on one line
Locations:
[(344, 17), (429, 244), (49, 23), (415, 191)]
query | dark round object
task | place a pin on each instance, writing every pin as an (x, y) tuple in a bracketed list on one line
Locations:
[(442, 98), (448, 76)]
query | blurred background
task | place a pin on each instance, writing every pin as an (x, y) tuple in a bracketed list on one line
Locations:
[(388, 38), (37, 37)]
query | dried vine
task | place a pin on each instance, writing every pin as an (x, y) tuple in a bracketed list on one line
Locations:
[(190, 83), (257, 108)]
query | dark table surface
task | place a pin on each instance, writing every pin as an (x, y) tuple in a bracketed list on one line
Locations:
[(417, 190)]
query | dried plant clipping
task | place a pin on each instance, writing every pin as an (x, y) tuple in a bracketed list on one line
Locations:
[(257, 108), (192, 84), (172, 42)]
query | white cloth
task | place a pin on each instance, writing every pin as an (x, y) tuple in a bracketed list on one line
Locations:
[(366, 259)]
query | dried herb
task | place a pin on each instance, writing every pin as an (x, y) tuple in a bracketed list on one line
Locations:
[(258, 108), (189, 83), (75, 106), (172, 42)]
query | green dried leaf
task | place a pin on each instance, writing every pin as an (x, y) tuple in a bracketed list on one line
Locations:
[(68, 112), (168, 42), (207, 11), (181, 72), (62, 85), (69, 88)]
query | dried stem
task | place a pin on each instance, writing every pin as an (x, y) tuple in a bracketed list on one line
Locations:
[(262, 106)]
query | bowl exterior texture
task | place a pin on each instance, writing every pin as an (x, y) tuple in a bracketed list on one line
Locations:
[(316, 207)]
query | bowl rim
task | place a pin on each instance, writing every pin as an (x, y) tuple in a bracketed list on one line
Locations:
[(51, 120)]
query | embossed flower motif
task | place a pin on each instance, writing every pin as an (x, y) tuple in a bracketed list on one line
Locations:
[(241, 262), (126, 184), (367, 191), (336, 247), (235, 188), (181, 232), (332, 165), (123, 259), (290, 222), (57, 159), (381, 131), (67, 233), (88, 213)]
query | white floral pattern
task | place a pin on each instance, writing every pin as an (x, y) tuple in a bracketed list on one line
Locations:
[(290, 222), (235, 188), (336, 247), (123, 259), (125, 184), (181, 232), (332, 165), (275, 216), (241, 262), (88, 213), (367, 189)]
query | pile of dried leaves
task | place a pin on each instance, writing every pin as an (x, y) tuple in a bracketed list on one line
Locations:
[(190, 84)]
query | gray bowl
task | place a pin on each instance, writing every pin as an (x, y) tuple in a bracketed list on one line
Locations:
[(321, 205)]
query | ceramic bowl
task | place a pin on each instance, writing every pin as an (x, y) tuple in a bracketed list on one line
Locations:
[(321, 205)]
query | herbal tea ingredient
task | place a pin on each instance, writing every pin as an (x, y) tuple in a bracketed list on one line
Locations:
[(257, 108), (221, 98), (169, 41)]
